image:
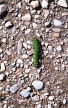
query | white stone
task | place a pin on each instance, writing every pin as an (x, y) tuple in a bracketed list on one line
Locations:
[(46, 44), (59, 48), (51, 98), (49, 106), (2, 76), (34, 25), (19, 5), (36, 98), (27, 70), (12, 106), (25, 45), (39, 106), (44, 4), (5, 106), (1, 88), (50, 48), (14, 88), (37, 84), (67, 50), (28, 89), (46, 13), (46, 106), (2, 67), (8, 24), (57, 22), (0, 50), (62, 3), (23, 28), (19, 61), (35, 4), (27, 31), (26, 17), (8, 52), (64, 101), (25, 56), (25, 66), (56, 68), (27, 1), (25, 93), (3, 9), (47, 23), (46, 94), (4, 40)]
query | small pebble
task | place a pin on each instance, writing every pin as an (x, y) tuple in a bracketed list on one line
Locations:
[(34, 25), (8, 24), (57, 22), (64, 101), (26, 66), (25, 56), (26, 17), (2, 76), (19, 49), (37, 84), (27, 70), (51, 98), (4, 40), (59, 48), (50, 48), (27, 31), (19, 61), (44, 4), (25, 93), (3, 9), (2, 67), (14, 88), (46, 13), (1, 50), (62, 3), (35, 4), (39, 106), (25, 45)]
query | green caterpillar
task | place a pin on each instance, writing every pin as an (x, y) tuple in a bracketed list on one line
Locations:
[(36, 52)]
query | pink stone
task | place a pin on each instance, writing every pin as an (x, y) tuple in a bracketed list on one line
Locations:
[(30, 52), (46, 13), (26, 23)]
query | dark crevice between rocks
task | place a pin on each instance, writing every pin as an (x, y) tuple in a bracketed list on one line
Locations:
[(2, 2), (39, 7), (49, 2), (2, 16), (2, 97)]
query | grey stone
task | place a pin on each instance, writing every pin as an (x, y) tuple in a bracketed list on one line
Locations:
[(19, 49), (57, 22), (14, 88), (25, 93), (3, 9)]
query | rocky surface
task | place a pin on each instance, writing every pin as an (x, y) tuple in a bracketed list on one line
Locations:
[(21, 84)]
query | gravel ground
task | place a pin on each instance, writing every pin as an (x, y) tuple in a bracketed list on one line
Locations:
[(21, 84)]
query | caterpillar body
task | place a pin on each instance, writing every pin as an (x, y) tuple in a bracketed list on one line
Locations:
[(36, 52)]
